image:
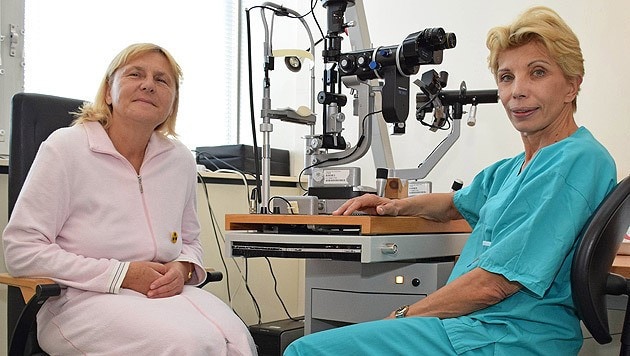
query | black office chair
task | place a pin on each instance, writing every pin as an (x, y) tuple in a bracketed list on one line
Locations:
[(591, 279), (34, 118)]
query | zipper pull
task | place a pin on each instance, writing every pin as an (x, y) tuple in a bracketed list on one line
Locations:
[(140, 184)]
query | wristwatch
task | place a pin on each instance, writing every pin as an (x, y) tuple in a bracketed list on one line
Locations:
[(402, 311)]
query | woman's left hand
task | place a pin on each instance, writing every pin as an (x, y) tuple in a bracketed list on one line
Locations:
[(171, 283)]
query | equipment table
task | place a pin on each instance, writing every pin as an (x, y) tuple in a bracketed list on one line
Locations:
[(357, 268)]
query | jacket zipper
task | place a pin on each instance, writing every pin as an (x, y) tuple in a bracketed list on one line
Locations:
[(146, 215)]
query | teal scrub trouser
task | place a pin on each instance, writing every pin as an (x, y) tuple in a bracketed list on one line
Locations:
[(405, 336)]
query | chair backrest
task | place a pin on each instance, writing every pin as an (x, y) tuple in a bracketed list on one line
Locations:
[(591, 279), (34, 117)]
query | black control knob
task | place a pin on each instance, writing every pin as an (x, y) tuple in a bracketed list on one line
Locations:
[(363, 61), (347, 64)]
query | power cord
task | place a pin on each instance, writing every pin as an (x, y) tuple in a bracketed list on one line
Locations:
[(218, 235), (275, 288), (256, 306), (211, 157), (289, 206)]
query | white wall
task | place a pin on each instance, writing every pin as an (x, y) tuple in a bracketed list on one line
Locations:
[(602, 106)]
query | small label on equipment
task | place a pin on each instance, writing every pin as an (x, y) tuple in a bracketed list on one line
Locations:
[(339, 176), (416, 187)]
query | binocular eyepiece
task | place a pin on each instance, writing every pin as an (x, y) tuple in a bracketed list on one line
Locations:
[(435, 38)]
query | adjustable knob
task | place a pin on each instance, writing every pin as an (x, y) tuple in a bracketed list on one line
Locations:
[(389, 248), (363, 61), (347, 64)]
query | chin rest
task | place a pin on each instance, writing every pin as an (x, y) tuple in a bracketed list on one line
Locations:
[(591, 280)]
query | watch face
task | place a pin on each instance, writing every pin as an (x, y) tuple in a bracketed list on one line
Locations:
[(402, 311)]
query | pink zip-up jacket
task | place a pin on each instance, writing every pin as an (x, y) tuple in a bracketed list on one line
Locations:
[(84, 214)]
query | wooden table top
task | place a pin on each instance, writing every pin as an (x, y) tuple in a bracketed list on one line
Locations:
[(367, 224), (621, 265)]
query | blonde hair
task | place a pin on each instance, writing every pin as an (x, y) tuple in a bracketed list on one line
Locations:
[(543, 25), (100, 111)]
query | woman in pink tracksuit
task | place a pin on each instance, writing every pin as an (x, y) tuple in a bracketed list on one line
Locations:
[(109, 212)]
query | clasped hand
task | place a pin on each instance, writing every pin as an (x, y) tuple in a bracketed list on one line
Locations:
[(156, 280)]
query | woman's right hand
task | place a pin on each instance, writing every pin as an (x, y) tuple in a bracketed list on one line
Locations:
[(141, 274), (370, 204)]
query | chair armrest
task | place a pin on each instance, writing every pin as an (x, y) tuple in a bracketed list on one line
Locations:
[(28, 286), (35, 291), (211, 276)]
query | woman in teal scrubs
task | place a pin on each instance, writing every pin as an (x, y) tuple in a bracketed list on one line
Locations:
[(510, 292)]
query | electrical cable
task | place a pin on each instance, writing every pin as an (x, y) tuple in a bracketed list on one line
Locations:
[(289, 206), (275, 289), (313, 4), (216, 236), (256, 306), (448, 119), (242, 175), (306, 14), (251, 107), (427, 104), (210, 157)]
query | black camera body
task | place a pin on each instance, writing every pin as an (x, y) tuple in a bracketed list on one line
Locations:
[(395, 64), (423, 47)]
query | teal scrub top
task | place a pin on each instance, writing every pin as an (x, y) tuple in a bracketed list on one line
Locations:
[(526, 225)]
